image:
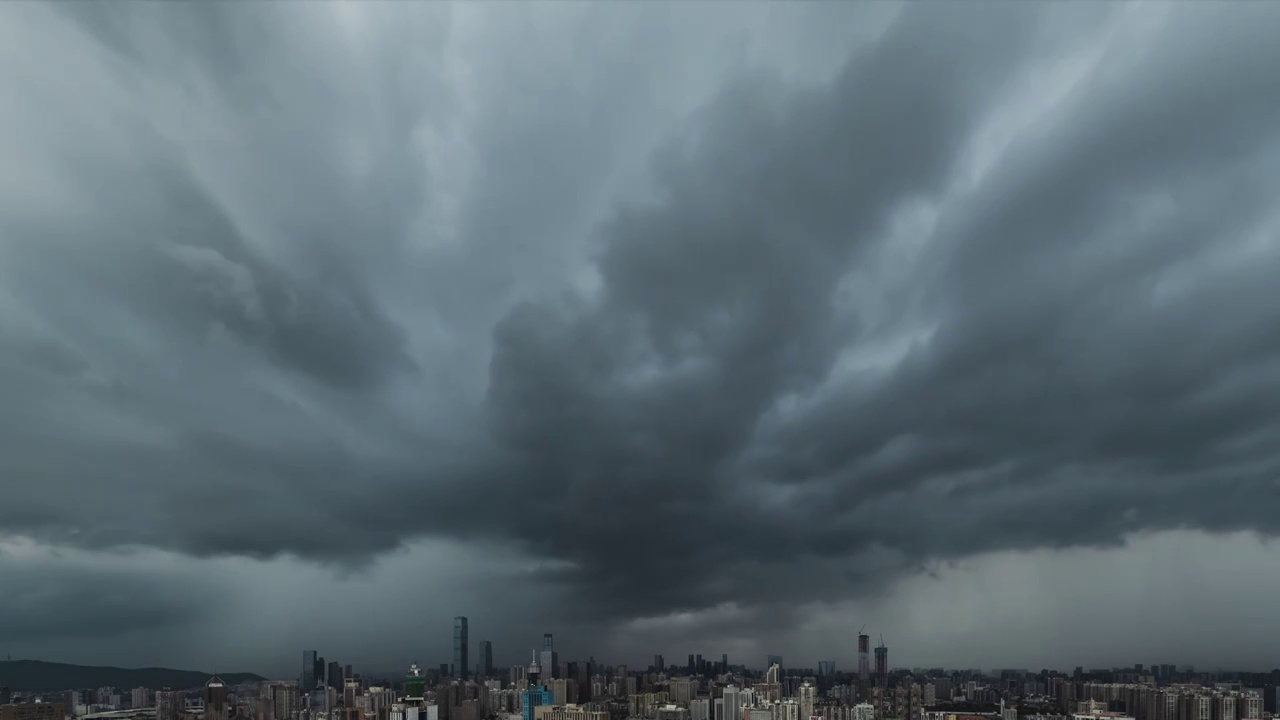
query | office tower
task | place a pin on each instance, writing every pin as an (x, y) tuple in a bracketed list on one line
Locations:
[(486, 658), (347, 673), (350, 691), (864, 657), (534, 695), (215, 699), (460, 660), (882, 660), (415, 684), (659, 664), (697, 664), (334, 678), (724, 663), (550, 659), (773, 660), (689, 666), (308, 670), (826, 668)]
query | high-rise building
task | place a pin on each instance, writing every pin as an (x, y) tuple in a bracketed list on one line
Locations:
[(140, 698), (334, 678), (550, 661), (826, 668), (724, 662), (689, 668), (564, 691), (415, 683), (700, 709), (282, 698), (732, 703), (215, 699), (864, 657), (485, 666), (697, 664), (535, 695), (308, 670), (659, 664), (460, 659), (169, 704), (882, 661)]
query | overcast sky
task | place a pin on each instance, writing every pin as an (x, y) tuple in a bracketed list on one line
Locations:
[(664, 327)]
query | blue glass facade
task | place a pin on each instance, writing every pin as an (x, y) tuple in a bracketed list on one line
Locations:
[(533, 697)]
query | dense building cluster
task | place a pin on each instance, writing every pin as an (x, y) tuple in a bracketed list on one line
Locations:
[(552, 688)]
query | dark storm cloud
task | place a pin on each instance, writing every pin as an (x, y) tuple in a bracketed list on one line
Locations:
[(52, 597), (232, 338)]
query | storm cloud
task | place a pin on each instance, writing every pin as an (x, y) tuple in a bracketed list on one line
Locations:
[(703, 313)]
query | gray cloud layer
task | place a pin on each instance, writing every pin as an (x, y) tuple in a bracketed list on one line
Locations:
[(687, 326)]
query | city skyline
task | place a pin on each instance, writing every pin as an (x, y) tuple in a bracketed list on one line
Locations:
[(657, 328)]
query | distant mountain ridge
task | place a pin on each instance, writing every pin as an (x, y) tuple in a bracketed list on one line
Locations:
[(32, 675)]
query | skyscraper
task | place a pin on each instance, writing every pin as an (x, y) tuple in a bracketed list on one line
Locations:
[(308, 670), (215, 699), (415, 684), (724, 662), (826, 668), (535, 694), (882, 663), (689, 667), (460, 656), (659, 664), (732, 703), (486, 658), (550, 658), (864, 657), (773, 660)]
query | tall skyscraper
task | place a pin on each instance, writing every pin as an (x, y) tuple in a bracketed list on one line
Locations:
[(550, 658), (826, 668), (215, 699), (486, 658), (308, 670), (864, 657), (460, 656), (882, 662), (773, 660), (732, 703), (659, 664), (536, 693), (724, 662), (689, 667), (335, 678)]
